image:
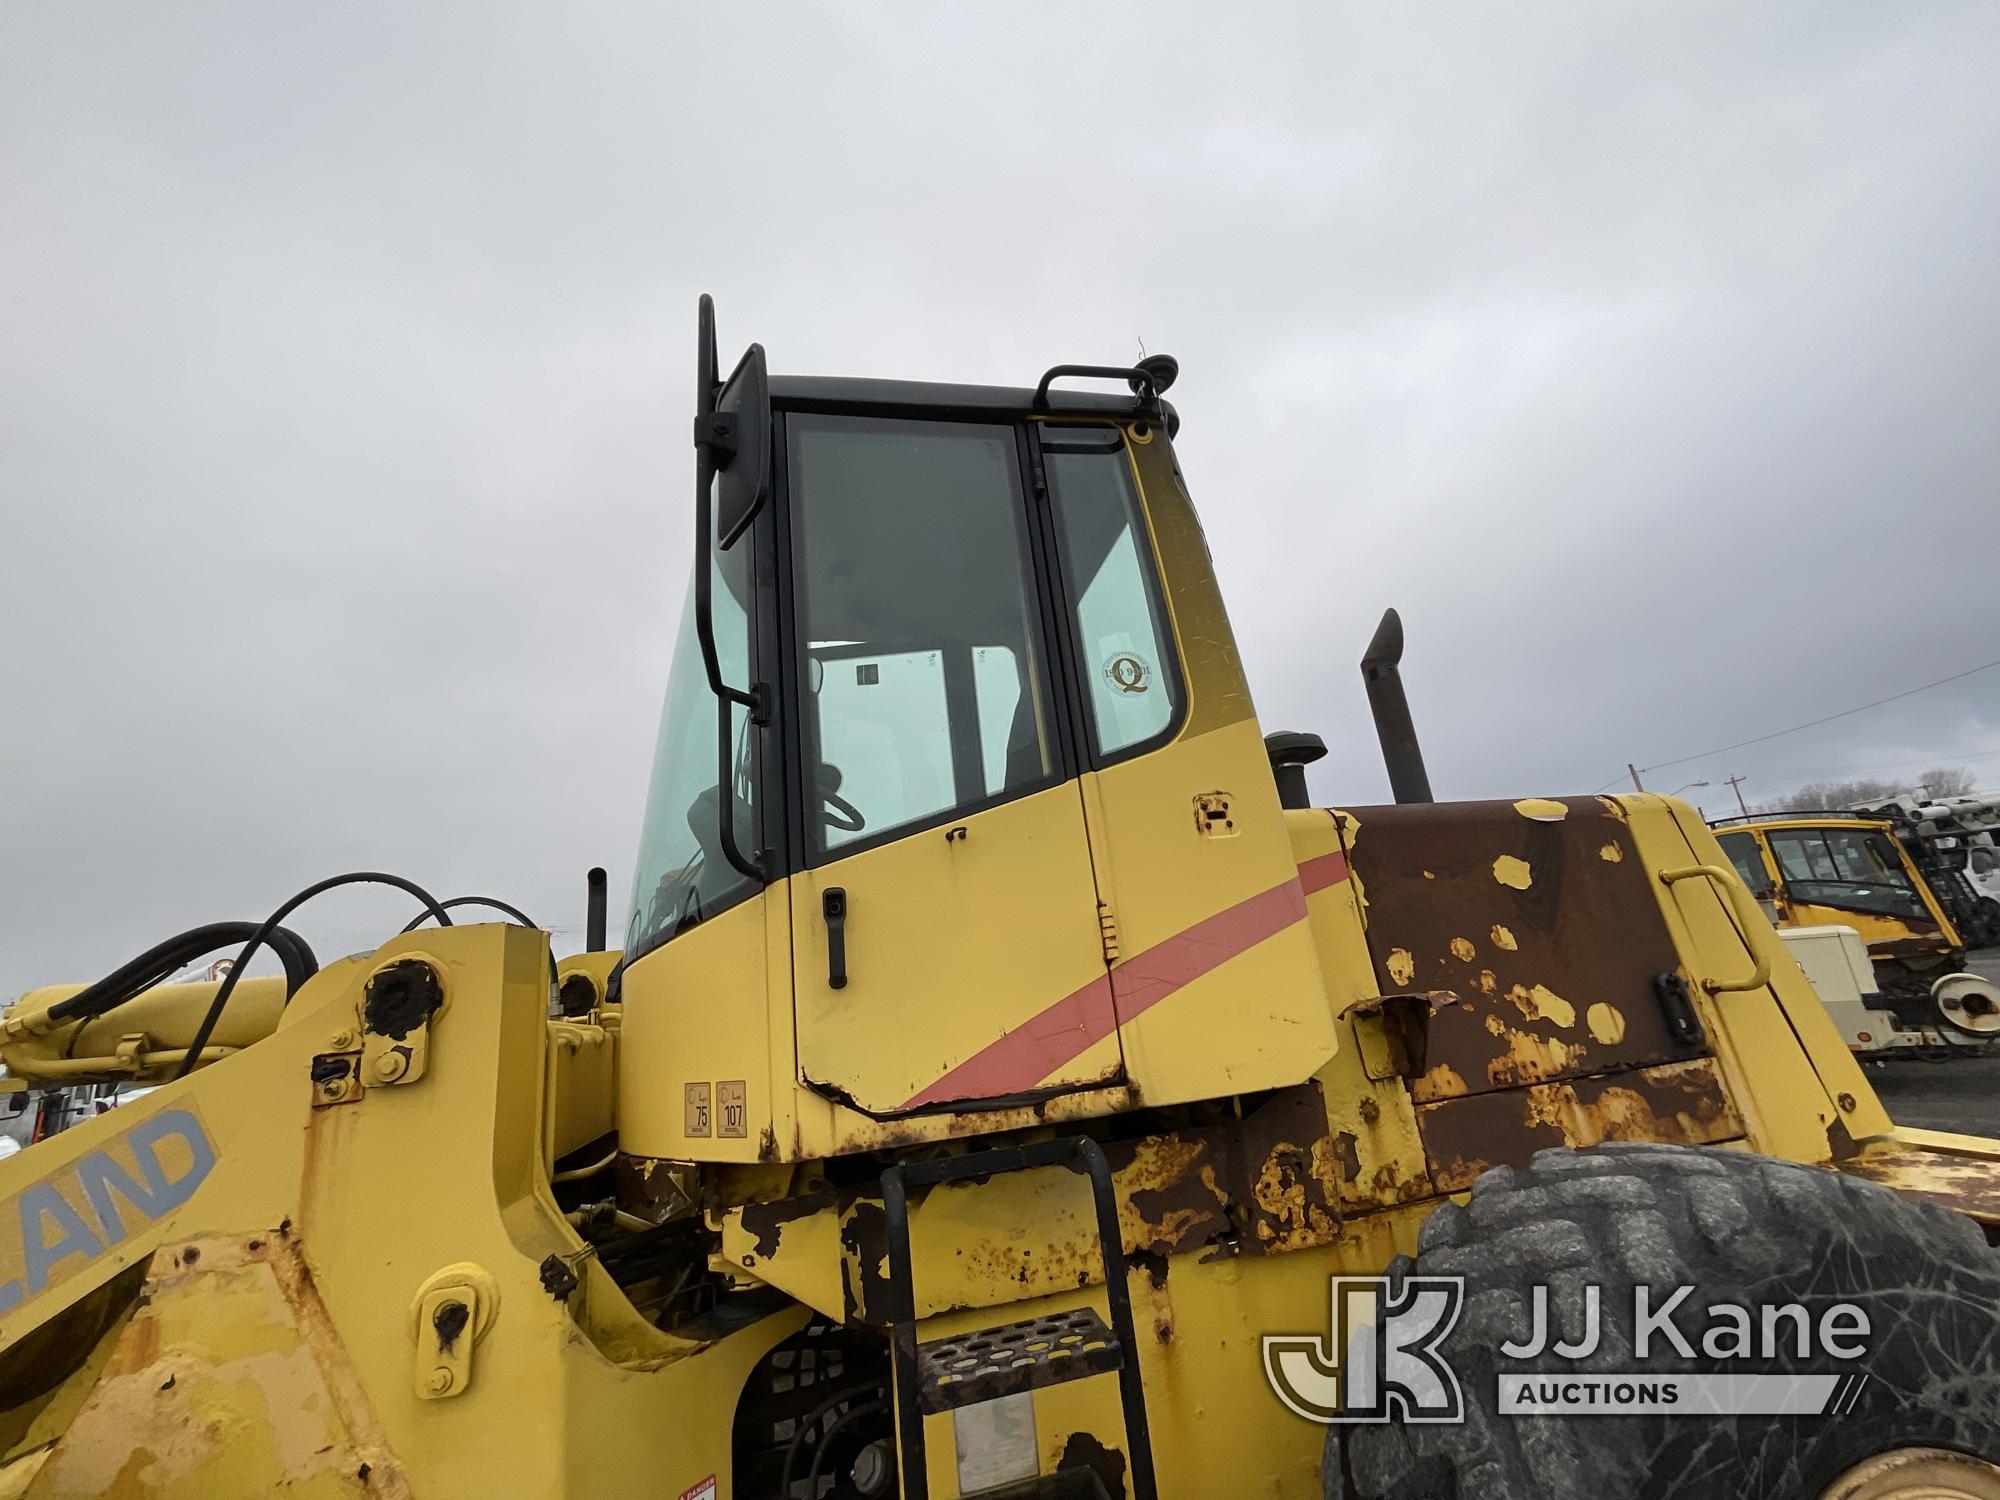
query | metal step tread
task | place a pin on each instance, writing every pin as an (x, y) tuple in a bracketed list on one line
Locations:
[(1013, 1357)]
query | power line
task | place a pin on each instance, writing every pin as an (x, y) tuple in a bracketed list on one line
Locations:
[(1811, 723), (1851, 768)]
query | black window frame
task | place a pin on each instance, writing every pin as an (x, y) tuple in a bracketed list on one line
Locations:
[(1767, 884), (1797, 887), (784, 844), (1069, 612), (1045, 622)]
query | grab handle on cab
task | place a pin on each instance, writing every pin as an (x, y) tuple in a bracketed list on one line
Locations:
[(1749, 916)]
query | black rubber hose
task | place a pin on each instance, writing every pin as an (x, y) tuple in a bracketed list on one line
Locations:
[(160, 961), (513, 911), (269, 925)]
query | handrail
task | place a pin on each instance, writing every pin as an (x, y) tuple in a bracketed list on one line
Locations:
[(1142, 381), (1748, 916)]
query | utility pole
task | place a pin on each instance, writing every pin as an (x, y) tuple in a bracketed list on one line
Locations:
[(1637, 784), (1736, 786)]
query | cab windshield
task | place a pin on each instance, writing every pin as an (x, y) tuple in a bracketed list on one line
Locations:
[(683, 876), (1845, 867)]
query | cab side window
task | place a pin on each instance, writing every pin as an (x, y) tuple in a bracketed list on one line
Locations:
[(1749, 861), (923, 692), (1119, 622), (1845, 868)]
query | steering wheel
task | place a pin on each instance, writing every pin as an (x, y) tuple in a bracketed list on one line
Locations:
[(841, 815)]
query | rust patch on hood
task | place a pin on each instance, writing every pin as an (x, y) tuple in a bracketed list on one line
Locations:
[(1268, 1181), (1680, 1103), (1561, 984)]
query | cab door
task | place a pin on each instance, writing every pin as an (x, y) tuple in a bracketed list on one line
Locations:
[(946, 944)]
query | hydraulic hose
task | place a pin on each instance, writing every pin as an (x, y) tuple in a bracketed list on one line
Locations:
[(270, 924), (161, 960), (456, 901)]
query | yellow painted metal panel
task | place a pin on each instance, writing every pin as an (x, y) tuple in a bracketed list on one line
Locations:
[(1839, 1074), (375, 1196), (1212, 931), (1218, 694), (697, 1014), (975, 967), (1772, 1081)]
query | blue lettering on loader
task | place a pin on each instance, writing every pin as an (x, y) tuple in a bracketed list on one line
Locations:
[(101, 1176), (74, 1237), (52, 1229)]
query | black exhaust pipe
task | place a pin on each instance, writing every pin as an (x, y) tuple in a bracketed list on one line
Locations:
[(1400, 751), (597, 917)]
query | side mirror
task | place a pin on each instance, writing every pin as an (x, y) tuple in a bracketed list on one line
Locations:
[(732, 442), (743, 478), (732, 433)]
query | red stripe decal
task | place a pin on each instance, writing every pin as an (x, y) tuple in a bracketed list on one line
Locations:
[(1031, 1051), (1327, 869), (1145, 979), (1046, 1042)]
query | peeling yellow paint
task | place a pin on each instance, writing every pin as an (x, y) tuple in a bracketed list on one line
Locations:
[(1440, 1082), (1528, 1057), (1511, 870), (1462, 949), (1402, 968), (1611, 854), (1487, 982), (1503, 938), (1542, 1004), (1541, 809), (1430, 875), (1606, 1023)]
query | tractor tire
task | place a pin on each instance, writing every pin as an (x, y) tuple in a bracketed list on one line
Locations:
[(1738, 1228)]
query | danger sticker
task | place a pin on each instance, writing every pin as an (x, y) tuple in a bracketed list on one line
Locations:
[(703, 1491)]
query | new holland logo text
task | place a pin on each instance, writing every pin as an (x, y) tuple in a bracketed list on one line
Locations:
[(56, 1227)]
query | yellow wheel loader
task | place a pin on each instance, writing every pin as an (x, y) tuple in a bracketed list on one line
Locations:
[(1812, 870), (1009, 1085)]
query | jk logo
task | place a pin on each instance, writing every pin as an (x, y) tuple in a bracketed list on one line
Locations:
[(1374, 1369)]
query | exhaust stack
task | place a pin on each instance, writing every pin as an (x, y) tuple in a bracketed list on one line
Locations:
[(1400, 751), (596, 921)]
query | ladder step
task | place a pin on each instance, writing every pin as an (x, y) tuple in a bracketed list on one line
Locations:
[(1013, 1357)]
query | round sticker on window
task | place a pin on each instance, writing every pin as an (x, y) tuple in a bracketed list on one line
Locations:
[(1128, 673)]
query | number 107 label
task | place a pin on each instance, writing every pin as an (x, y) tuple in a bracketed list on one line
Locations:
[(732, 1110)]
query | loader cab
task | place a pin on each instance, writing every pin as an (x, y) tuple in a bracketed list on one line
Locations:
[(981, 811), (1820, 870)]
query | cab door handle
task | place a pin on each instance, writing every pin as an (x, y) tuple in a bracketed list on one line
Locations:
[(833, 907)]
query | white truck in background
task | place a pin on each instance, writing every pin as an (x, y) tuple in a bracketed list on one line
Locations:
[(1959, 836), (1836, 962)]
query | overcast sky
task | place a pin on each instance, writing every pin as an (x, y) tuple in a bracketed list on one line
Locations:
[(1645, 357)]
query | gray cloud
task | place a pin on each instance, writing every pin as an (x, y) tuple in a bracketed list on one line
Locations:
[(1644, 357)]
